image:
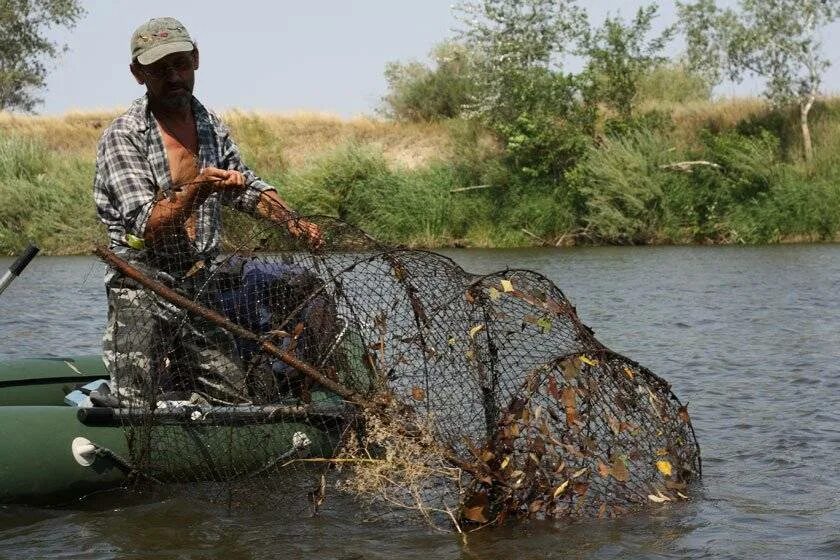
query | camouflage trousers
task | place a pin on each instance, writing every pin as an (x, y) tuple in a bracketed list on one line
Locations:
[(151, 347)]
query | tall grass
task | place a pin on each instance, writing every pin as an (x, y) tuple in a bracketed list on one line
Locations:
[(622, 188), (410, 206), (404, 182), (631, 192), (45, 197)]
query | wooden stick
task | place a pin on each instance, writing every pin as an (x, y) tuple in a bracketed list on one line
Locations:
[(535, 236), (475, 188), (197, 309), (685, 166)]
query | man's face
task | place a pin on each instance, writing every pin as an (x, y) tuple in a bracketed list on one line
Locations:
[(170, 80)]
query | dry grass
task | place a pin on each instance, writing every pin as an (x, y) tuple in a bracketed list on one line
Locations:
[(724, 114), (288, 141), (73, 133), (718, 115), (392, 470), (307, 136), (298, 138)]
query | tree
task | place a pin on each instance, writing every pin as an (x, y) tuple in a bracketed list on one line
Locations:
[(522, 92), (417, 92), (618, 57), (774, 39), (517, 43), (24, 47)]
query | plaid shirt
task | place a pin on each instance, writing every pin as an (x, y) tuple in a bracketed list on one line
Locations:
[(132, 172)]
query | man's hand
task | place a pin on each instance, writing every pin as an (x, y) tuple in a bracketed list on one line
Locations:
[(171, 214), (307, 230), (271, 206), (221, 179)]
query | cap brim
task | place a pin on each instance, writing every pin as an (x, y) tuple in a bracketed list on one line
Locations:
[(156, 53)]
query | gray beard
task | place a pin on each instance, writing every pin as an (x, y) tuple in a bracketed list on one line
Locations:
[(176, 102)]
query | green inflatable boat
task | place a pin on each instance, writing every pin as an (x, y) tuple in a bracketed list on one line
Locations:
[(56, 446)]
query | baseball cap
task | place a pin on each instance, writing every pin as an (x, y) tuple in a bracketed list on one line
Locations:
[(159, 37)]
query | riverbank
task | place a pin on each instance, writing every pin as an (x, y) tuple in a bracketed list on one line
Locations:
[(448, 184)]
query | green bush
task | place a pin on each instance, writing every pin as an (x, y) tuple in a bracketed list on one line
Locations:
[(628, 192), (420, 93), (700, 203), (794, 208), (780, 123), (540, 148), (651, 120), (620, 188), (414, 207), (748, 164), (476, 153), (324, 186), (672, 83)]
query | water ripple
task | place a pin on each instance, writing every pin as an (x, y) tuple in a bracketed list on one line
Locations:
[(750, 336)]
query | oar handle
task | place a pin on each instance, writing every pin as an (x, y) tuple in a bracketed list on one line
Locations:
[(24, 259), (18, 266)]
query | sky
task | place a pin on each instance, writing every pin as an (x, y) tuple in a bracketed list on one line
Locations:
[(287, 56)]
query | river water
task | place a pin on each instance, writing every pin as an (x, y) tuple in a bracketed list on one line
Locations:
[(749, 336)]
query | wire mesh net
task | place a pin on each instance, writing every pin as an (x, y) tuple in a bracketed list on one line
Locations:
[(475, 398)]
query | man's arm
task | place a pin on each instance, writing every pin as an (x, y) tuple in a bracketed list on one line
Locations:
[(272, 207), (124, 185), (169, 215), (260, 198)]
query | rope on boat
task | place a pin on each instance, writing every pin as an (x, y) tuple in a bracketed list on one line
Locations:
[(86, 452)]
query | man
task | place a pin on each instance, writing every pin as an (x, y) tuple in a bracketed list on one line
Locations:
[(162, 170)]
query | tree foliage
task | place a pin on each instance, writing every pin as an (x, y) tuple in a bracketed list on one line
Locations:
[(544, 113), (25, 48), (419, 93), (523, 92), (518, 44), (619, 55), (777, 40)]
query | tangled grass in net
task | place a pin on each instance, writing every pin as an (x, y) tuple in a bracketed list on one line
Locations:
[(384, 464)]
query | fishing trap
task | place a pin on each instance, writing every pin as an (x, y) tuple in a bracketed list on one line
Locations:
[(410, 383)]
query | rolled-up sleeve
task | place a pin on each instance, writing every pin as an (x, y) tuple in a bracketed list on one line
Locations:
[(246, 200), (124, 185)]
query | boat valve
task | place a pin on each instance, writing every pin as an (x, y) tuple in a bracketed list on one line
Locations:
[(84, 451)]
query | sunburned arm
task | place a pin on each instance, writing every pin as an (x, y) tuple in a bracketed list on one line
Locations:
[(272, 207)]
